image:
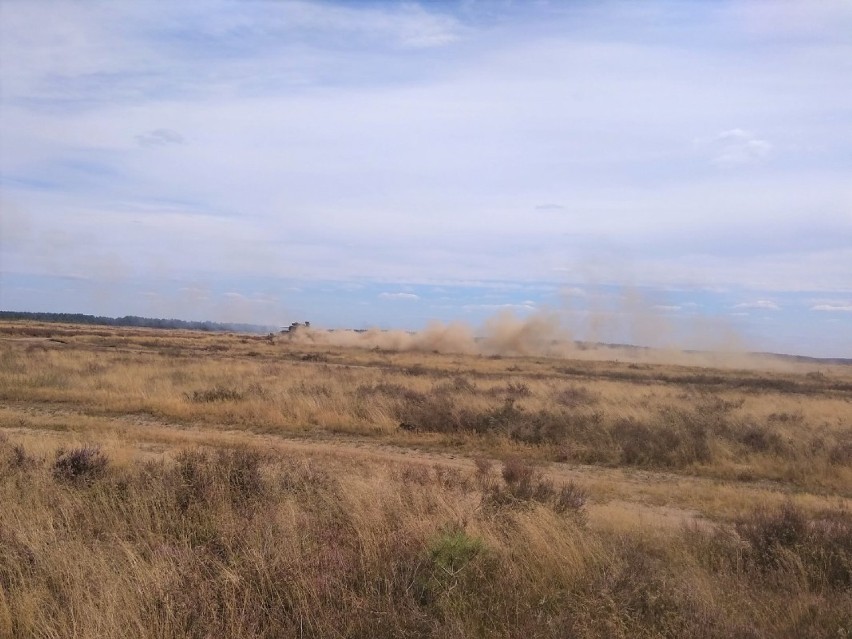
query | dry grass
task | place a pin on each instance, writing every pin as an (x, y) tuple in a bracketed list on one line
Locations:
[(792, 427), (242, 543), (178, 484)]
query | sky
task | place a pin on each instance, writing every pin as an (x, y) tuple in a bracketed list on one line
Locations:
[(663, 173)]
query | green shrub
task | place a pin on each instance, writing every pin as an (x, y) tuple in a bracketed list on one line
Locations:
[(448, 554), (454, 549)]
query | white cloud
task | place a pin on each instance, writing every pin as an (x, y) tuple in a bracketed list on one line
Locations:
[(736, 147), (766, 305), (523, 306), (833, 308), (159, 137), (406, 25), (399, 296)]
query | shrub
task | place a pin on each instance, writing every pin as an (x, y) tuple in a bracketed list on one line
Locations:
[(215, 394), (241, 470), (571, 498), (524, 484), (769, 532), (458, 384), (14, 456), (516, 390), (454, 549), (761, 439), (642, 446), (678, 439), (80, 465), (575, 396), (841, 454), (822, 547), (516, 472), (449, 554), (435, 413)]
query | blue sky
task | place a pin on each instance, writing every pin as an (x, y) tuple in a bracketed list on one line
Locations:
[(665, 173)]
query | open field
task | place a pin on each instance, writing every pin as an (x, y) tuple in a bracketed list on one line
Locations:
[(175, 483)]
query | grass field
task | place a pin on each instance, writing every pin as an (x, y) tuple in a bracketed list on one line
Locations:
[(187, 484)]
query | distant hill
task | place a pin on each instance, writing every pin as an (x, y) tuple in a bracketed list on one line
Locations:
[(134, 321)]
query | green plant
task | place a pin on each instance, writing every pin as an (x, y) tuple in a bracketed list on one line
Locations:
[(448, 554), (454, 549)]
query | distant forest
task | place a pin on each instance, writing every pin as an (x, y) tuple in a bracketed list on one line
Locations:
[(132, 320)]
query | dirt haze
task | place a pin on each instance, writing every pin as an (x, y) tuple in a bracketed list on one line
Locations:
[(547, 333)]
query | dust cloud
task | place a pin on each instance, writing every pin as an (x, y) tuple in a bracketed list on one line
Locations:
[(633, 332)]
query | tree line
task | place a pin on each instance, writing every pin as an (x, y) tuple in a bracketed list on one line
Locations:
[(131, 320)]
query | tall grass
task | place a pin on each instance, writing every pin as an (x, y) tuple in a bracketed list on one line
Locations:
[(240, 543)]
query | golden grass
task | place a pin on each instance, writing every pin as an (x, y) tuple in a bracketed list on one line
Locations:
[(245, 543), (792, 427), (258, 487)]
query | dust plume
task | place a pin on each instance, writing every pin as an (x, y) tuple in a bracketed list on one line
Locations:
[(454, 337), (539, 334), (542, 333), (628, 328)]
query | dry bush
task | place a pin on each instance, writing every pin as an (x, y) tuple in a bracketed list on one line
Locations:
[(458, 384), (81, 465), (676, 441), (517, 390), (524, 484), (787, 539), (841, 454), (13, 457), (575, 397), (215, 394), (762, 438)]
